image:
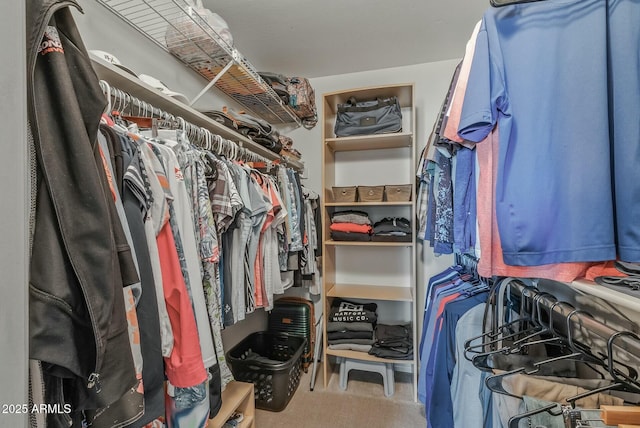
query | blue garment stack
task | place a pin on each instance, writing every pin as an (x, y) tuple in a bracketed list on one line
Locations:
[(450, 296)]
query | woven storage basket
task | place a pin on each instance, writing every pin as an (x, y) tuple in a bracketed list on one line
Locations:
[(370, 193), (344, 194), (398, 193)]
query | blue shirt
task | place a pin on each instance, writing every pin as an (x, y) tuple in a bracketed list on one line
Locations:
[(624, 80), (540, 72), (442, 281), (443, 192), (464, 201), (440, 412)]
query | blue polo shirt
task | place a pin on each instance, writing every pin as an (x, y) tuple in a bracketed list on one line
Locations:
[(440, 412), (540, 72), (624, 81)]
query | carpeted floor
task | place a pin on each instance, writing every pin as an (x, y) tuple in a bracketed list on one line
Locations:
[(362, 405)]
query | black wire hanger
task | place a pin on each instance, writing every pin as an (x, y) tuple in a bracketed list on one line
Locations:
[(500, 3)]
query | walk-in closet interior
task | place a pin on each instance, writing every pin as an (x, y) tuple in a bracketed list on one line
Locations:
[(320, 214)]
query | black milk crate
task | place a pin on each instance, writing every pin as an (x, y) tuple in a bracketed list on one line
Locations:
[(271, 361)]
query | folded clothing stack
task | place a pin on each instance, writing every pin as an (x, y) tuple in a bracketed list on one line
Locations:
[(221, 118), (256, 129), (351, 226), (393, 341), (278, 83), (392, 229), (350, 325)]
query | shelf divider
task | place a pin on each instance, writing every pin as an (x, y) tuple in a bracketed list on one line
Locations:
[(370, 142), (368, 244), (373, 292), (357, 355)]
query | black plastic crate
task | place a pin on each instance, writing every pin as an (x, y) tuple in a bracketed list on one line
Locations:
[(271, 361)]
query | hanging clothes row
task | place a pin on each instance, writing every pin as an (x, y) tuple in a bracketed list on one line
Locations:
[(549, 363), (508, 174), (223, 234), (82, 270), (149, 236), (450, 295), (507, 354)]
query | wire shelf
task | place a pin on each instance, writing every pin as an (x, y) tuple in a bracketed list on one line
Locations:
[(177, 28)]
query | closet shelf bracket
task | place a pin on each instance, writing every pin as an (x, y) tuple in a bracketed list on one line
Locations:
[(213, 82)]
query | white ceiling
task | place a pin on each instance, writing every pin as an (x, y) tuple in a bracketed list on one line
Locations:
[(312, 38)]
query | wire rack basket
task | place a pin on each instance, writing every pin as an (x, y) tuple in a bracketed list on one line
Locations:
[(181, 30)]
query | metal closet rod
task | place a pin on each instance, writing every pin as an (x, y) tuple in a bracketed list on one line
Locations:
[(123, 101), (578, 325)]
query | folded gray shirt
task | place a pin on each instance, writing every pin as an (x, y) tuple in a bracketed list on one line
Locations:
[(355, 217), (350, 347), (391, 224), (352, 326)]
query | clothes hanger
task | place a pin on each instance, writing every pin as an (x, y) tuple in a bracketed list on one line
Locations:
[(505, 333), (225, 150), (143, 119), (216, 145), (122, 101), (630, 379), (617, 386), (489, 307), (543, 329), (488, 361), (501, 3), (483, 360), (580, 353), (495, 382), (577, 354), (206, 140), (234, 150), (106, 90), (586, 351), (514, 421)]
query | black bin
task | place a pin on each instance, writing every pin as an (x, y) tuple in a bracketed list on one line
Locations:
[(272, 362)]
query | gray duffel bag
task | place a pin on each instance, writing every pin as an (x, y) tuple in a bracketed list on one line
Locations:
[(379, 116)]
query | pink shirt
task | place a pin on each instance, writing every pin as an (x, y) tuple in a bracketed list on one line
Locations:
[(455, 107), (491, 261), (184, 367)]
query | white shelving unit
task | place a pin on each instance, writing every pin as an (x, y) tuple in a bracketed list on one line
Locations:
[(382, 280)]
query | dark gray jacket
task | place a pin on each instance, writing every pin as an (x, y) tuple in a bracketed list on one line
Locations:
[(80, 260)]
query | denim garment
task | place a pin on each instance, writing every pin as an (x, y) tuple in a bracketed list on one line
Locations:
[(467, 379), (441, 407), (193, 416), (295, 212), (443, 189), (464, 201)]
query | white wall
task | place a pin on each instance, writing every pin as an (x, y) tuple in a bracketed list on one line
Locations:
[(14, 187)]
